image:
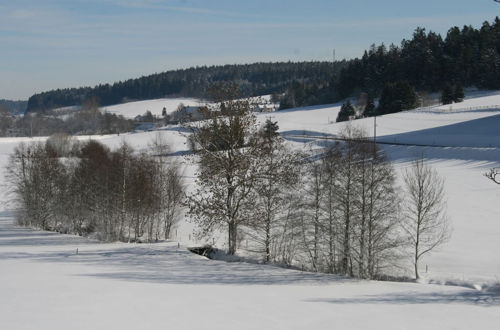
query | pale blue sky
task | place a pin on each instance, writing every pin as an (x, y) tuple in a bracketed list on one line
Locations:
[(48, 44)]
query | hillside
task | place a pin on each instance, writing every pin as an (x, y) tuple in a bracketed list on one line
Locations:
[(133, 109), (188, 291), (254, 79)]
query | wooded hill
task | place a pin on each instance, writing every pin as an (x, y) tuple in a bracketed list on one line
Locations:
[(254, 79), (466, 56)]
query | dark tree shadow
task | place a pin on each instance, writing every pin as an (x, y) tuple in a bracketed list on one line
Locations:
[(158, 263)]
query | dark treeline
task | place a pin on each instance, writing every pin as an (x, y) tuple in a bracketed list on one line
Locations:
[(253, 79), (88, 189), (468, 56), (13, 106), (428, 62)]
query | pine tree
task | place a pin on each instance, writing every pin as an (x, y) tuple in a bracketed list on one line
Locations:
[(458, 93), (447, 94), (397, 97), (370, 109), (270, 129), (346, 112)]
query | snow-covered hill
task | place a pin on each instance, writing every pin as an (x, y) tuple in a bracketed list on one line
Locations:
[(151, 286), (45, 284), (133, 109)]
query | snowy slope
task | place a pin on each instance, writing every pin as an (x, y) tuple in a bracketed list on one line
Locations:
[(471, 123), (133, 109), (48, 286), (462, 144)]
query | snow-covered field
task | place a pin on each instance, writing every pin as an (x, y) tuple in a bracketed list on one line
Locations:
[(44, 284), (133, 109)]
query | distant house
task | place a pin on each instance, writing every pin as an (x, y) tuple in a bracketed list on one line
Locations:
[(264, 108), (188, 113)]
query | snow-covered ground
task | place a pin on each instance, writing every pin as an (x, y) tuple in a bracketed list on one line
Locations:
[(44, 284), (133, 109)]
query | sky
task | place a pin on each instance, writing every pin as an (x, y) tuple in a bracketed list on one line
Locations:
[(48, 44)]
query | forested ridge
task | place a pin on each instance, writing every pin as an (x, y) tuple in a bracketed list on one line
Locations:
[(428, 62), (468, 56), (254, 79)]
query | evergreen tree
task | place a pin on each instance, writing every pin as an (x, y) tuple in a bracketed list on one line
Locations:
[(370, 109), (270, 129), (447, 94), (458, 93), (397, 97), (346, 112)]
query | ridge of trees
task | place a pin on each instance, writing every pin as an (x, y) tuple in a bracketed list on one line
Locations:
[(466, 57), (428, 62), (253, 79)]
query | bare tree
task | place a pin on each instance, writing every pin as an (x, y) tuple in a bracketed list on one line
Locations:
[(378, 211), (330, 205), (170, 188), (312, 213), (277, 173), (425, 221)]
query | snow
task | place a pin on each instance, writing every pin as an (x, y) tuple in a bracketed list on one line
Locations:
[(133, 109), (46, 285)]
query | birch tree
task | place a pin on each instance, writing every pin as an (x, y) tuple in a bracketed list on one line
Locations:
[(277, 173), (425, 220)]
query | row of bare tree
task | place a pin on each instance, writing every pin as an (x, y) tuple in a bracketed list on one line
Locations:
[(336, 210), (87, 189)]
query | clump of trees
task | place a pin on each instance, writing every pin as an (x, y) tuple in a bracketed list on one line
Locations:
[(88, 189), (428, 61), (397, 97), (6, 120), (336, 211), (87, 121), (346, 112), (349, 218)]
